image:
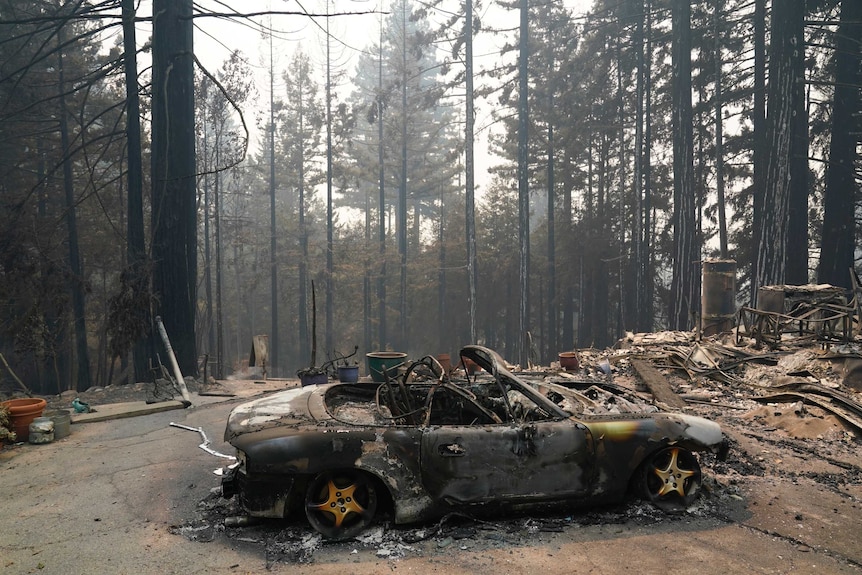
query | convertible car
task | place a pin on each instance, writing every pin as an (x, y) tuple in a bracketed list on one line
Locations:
[(424, 444)]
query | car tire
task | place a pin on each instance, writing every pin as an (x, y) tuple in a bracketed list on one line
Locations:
[(670, 478), (340, 505)]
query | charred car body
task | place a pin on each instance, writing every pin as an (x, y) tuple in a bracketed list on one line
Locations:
[(426, 446)]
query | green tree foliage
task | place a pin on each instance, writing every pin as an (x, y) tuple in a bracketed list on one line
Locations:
[(301, 146), (419, 135), (221, 143)]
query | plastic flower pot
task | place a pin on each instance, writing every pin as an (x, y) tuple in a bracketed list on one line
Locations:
[(348, 373), (383, 364), (313, 378)]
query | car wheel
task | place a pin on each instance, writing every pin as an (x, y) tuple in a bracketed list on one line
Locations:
[(340, 505), (671, 478)]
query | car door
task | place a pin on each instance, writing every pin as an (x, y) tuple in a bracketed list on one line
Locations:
[(518, 459)]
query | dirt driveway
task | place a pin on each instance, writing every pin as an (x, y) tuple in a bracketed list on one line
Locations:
[(137, 496)]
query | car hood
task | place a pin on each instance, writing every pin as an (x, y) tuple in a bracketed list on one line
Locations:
[(290, 408)]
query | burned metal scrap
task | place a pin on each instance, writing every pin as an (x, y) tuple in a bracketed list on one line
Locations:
[(842, 405), (205, 444), (791, 373), (797, 315), (714, 360)]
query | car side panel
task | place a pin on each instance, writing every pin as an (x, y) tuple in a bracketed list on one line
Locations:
[(521, 463), (623, 443), (391, 454)]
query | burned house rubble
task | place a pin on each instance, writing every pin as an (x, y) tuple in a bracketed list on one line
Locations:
[(801, 344)]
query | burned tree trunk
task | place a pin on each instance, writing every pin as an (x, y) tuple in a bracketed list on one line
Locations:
[(796, 258), (135, 243), (82, 380), (174, 216), (469, 171), (684, 256), (771, 245), (758, 121), (523, 190), (841, 187)]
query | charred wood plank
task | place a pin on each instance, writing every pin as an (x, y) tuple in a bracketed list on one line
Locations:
[(657, 384)]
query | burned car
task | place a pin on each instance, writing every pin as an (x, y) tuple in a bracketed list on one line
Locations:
[(425, 446)]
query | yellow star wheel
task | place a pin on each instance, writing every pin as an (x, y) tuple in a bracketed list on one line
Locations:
[(672, 476), (340, 502)]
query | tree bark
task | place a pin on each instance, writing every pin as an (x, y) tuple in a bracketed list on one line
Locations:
[(402, 192), (82, 355), (135, 244), (330, 263), (797, 224), (758, 121), (469, 176), (719, 133), (568, 309), (381, 206), (304, 343), (646, 309), (838, 243), (443, 338), (638, 233), (783, 79), (523, 191), (622, 261), (274, 344), (552, 305), (174, 215), (684, 256)]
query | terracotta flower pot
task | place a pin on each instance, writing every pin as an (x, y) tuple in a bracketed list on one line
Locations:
[(445, 362), (23, 411), (569, 360), (470, 366)]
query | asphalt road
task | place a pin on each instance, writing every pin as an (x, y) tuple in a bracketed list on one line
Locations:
[(104, 499)]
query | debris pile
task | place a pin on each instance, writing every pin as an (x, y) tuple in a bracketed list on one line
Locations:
[(713, 371)]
